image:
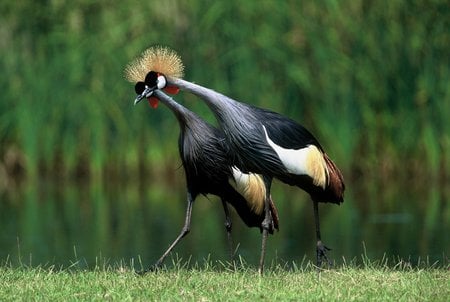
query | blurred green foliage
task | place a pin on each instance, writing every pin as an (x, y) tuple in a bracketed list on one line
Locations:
[(369, 78)]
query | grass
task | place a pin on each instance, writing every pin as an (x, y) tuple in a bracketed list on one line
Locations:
[(214, 282)]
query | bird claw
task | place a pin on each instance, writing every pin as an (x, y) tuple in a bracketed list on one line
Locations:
[(321, 250), (152, 269), (269, 225)]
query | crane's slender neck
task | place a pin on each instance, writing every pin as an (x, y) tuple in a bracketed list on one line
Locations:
[(215, 100), (181, 112), (241, 126), (234, 117)]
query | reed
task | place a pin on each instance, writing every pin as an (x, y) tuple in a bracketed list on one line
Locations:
[(369, 79)]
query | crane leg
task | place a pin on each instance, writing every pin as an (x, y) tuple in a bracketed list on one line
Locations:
[(321, 249), (266, 225), (228, 227), (184, 231)]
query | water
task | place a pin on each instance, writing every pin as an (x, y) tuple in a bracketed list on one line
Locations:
[(85, 225)]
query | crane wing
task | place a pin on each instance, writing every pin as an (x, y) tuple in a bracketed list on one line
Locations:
[(285, 132)]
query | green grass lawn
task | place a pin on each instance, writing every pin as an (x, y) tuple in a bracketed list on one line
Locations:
[(217, 283)]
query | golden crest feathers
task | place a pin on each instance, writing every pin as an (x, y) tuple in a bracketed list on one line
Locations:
[(159, 59)]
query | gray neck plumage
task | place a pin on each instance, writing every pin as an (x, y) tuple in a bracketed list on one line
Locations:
[(233, 116), (181, 112), (215, 100), (237, 120)]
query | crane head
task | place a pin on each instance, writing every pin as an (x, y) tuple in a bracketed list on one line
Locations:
[(149, 72), (153, 81)]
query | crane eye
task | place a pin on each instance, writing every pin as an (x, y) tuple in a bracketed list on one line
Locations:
[(151, 79), (139, 87)]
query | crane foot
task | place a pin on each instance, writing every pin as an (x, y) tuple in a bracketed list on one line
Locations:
[(268, 224), (152, 269), (321, 251)]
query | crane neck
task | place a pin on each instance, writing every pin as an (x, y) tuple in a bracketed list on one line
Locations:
[(181, 112), (234, 118), (215, 100)]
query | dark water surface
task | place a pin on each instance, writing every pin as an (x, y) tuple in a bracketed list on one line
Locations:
[(61, 224)]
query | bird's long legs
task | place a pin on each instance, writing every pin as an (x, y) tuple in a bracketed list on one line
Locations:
[(265, 232), (321, 249), (266, 225), (184, 231), (228, 227)]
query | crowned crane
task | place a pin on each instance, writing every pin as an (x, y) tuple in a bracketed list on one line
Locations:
[(205, 158), (271, 145)]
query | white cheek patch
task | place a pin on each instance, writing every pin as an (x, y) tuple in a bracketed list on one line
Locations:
[(305, 161), (161, 82)]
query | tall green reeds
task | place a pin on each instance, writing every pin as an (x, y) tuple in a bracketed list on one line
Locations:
[(370, 79)]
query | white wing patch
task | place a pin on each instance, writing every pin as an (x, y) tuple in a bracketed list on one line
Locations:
[(305, 161), (251, 186)]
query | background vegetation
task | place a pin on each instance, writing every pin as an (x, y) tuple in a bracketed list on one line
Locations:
[(369, 78)]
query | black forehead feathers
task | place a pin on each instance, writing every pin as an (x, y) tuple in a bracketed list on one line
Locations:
[(139, 87), (151, 79)]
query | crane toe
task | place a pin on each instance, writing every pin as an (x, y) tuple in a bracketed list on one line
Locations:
[(321, 251)]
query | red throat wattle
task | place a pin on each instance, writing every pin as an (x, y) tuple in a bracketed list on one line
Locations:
[(172, 89), (153, 101)]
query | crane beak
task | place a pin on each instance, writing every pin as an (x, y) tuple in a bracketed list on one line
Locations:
[(146, 94)]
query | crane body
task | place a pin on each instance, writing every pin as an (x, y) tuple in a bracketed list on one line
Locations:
[(269, 143)]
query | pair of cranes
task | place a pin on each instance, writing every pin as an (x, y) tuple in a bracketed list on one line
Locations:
[(238, 161)]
